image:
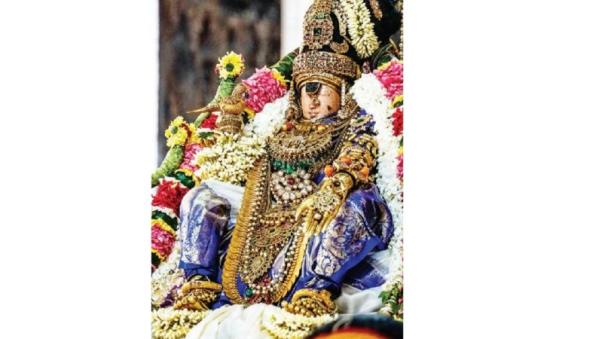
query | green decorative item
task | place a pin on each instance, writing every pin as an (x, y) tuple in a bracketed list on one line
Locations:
[(171, 163)]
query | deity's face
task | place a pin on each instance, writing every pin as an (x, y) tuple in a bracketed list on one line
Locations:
[(318, 101)]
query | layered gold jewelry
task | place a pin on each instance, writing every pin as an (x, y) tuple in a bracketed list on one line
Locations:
[(340, 47), (291, 188), (358, 153), (318, 26), (310, 303), (319, 62), (197, 295), (230, 123), (240, 260), (319, 209), (266, 226), (307, 143)]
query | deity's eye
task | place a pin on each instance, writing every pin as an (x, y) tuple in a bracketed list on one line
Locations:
[(312, 87)]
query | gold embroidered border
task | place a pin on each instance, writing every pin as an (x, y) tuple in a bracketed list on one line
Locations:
[(238, 239), (294, 270)]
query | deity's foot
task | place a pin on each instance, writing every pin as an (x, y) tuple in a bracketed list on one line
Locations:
[(197, 295)]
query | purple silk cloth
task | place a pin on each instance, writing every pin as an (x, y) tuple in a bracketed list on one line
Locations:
[(338, 255), (203, 229)]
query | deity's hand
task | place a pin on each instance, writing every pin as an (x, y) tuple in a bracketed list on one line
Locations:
[(310, 303), (197, 295), (321, 207), (230, 106)]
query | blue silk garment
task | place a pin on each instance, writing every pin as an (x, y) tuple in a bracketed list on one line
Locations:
[(336, 256)]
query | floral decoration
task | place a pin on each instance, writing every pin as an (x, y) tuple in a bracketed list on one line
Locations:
[(397, 118), (191, 151), (210, 122), (176, 133), (269, 119), (167, 323), (162, 240), (372, 96), (360, 27), (392, 298), (279, 323), (263, 87), (229, 160), (390, 75), (230, 66), (167, 278), (169, 194)]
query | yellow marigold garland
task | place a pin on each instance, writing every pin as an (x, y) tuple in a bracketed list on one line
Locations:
[(180, 133)]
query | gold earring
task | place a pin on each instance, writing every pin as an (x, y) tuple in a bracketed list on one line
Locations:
[(293, 112)]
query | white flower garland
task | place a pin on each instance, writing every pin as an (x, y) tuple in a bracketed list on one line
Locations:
[(167, 275), (360, 27), (167, 323), (281, 324), (270, 118), (371, 96), (229, 160)]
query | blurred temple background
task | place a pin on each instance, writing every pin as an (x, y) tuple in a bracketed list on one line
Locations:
[(193, 34)]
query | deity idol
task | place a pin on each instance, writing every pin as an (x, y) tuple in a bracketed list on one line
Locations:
[(310, 216)]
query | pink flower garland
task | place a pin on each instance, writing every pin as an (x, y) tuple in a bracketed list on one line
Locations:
[(400, 167), (189, 163), (161, 241), (391, 77), (263, 88)]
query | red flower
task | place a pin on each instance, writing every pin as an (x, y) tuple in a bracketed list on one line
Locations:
[(210, 121), (398, 122), (400, 166), (169, 195)]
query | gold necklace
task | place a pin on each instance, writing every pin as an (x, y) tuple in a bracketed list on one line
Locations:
[(263, 229)]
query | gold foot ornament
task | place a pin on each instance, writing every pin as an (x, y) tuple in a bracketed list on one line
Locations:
[(310, 303), (197, 295)]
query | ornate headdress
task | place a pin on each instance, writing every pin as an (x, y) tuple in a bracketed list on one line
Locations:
[(338, 36)]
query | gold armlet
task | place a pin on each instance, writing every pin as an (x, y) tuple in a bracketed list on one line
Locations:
[(356, 161)]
